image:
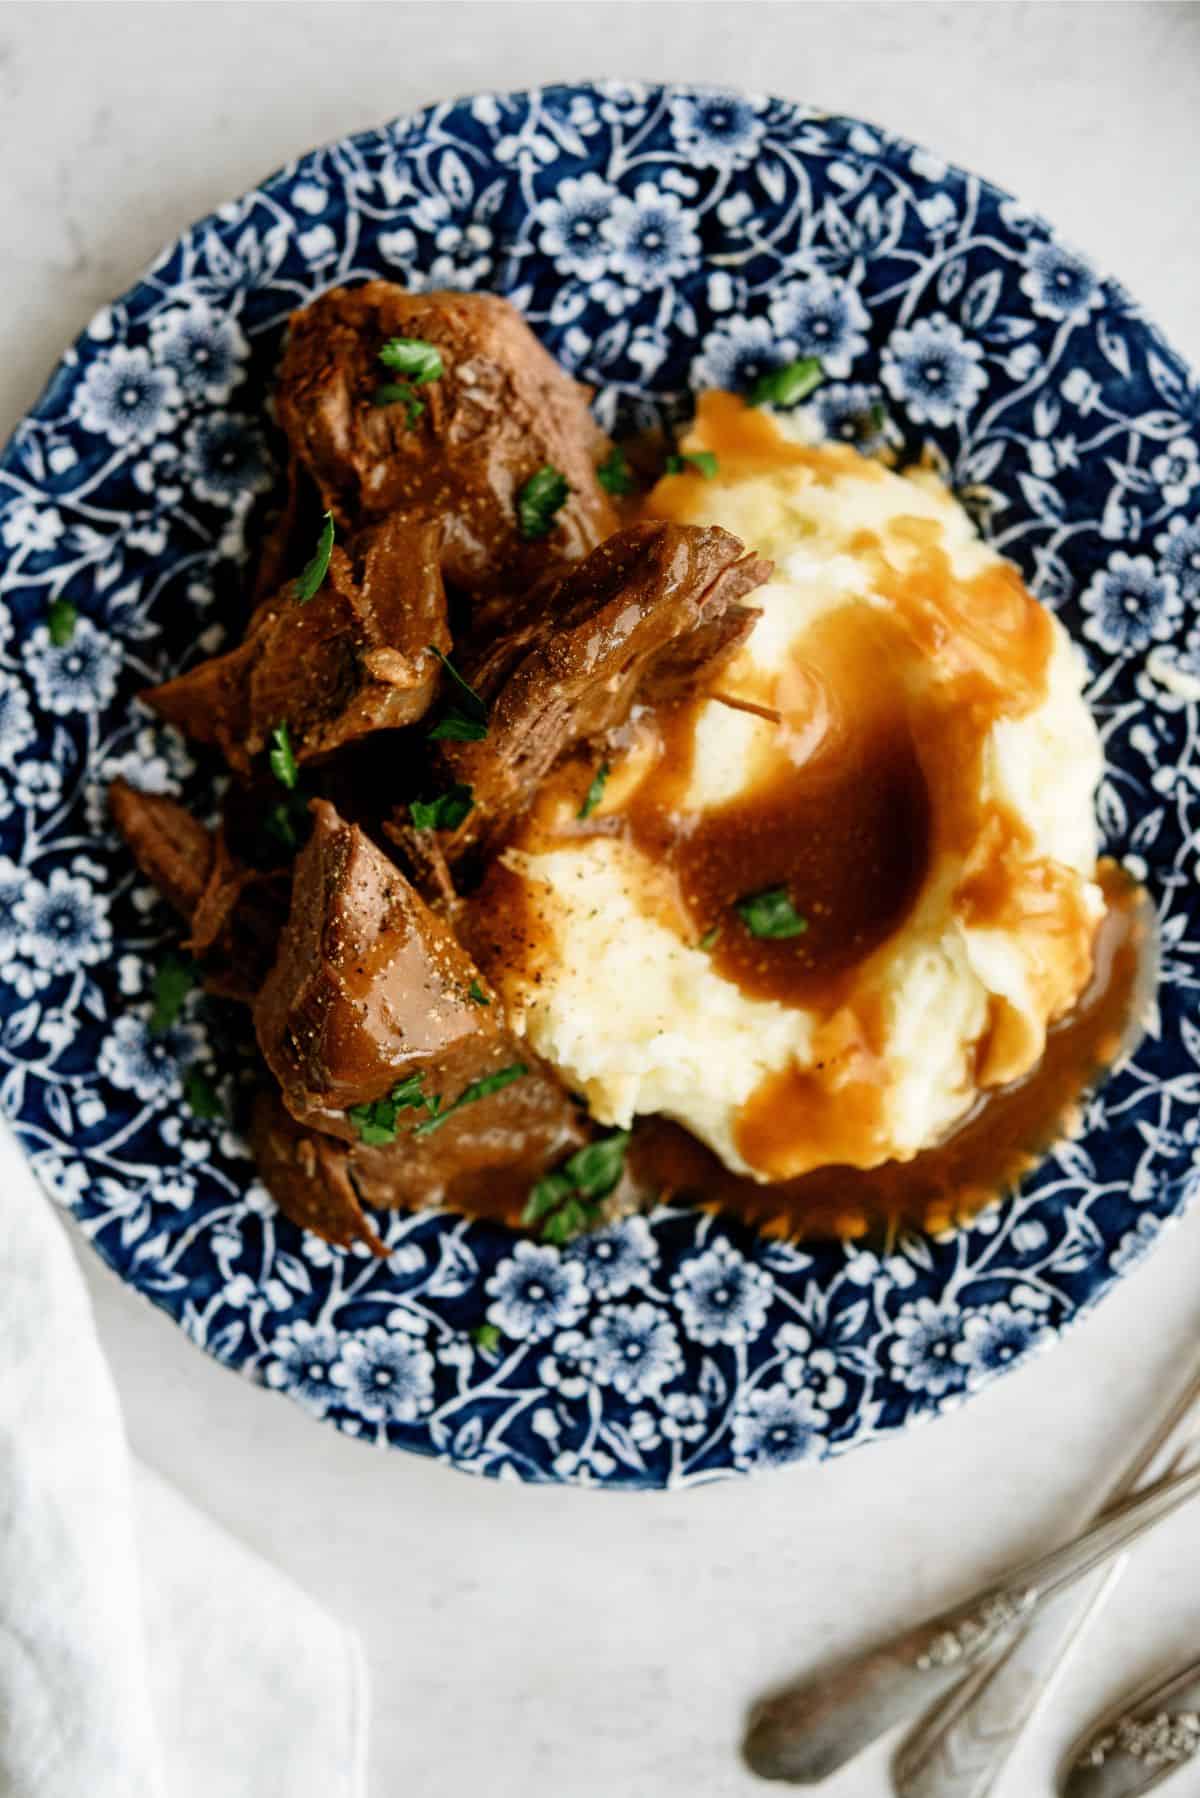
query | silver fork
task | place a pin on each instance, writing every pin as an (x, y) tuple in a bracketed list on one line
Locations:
[(814, 1727), (960, 1747)]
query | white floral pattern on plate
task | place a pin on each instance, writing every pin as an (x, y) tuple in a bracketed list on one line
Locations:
[(657, 239)]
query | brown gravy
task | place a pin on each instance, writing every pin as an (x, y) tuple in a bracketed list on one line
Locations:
[(986, 1156), (841, 822)]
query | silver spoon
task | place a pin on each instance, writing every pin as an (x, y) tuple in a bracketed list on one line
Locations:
[(960, 1748), (816, 1726), (1138, 1742)]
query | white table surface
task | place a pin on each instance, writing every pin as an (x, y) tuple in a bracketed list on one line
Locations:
[(552, 1643)]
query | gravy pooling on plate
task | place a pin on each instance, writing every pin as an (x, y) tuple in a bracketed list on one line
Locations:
[(984, 1157), (481, 669)]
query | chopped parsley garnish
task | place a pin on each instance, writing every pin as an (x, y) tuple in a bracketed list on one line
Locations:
[(486, 1337), (399, 393), (478, 1089), (614, 473), (877, 416), (419, 362), (374, 1127), (703, 461), (316, 570), (446, 812), (771, 915), (595, 792), (61, 619), (567, 1201), (376, 1122), (283, 760), (597, 1167), (201, 1095), (788, 385), (471, 701), (709, 939), (456, 727), (173, 981), (409, 1092), (476, 993), (540, 500), (466, 720), (413, 357), (286, 820)]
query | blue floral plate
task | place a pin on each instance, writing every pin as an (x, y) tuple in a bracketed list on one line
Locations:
[(658, 239)]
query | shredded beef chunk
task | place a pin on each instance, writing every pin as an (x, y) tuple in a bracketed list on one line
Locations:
[(235, 913), (172, 849), (501, 410), (211, 702), (371, 996), (638, 619), (424, 861), (237, 924), (308, 1176), (369, 988), (355, 658)]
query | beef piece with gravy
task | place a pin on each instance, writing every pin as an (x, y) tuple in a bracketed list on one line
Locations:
[(354, 659), (308, 1175), (501, 410), (236, 913), (172, 849), (638, 619), (372, 990)]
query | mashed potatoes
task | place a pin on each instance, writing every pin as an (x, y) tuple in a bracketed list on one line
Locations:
[(885, 606)]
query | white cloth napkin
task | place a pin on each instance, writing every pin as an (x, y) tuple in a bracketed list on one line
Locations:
[(144, 1653)]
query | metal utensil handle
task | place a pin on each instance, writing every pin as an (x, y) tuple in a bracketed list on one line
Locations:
[(1063, 1566), (813, 1728), (1139, 1741), (960, 1747)]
